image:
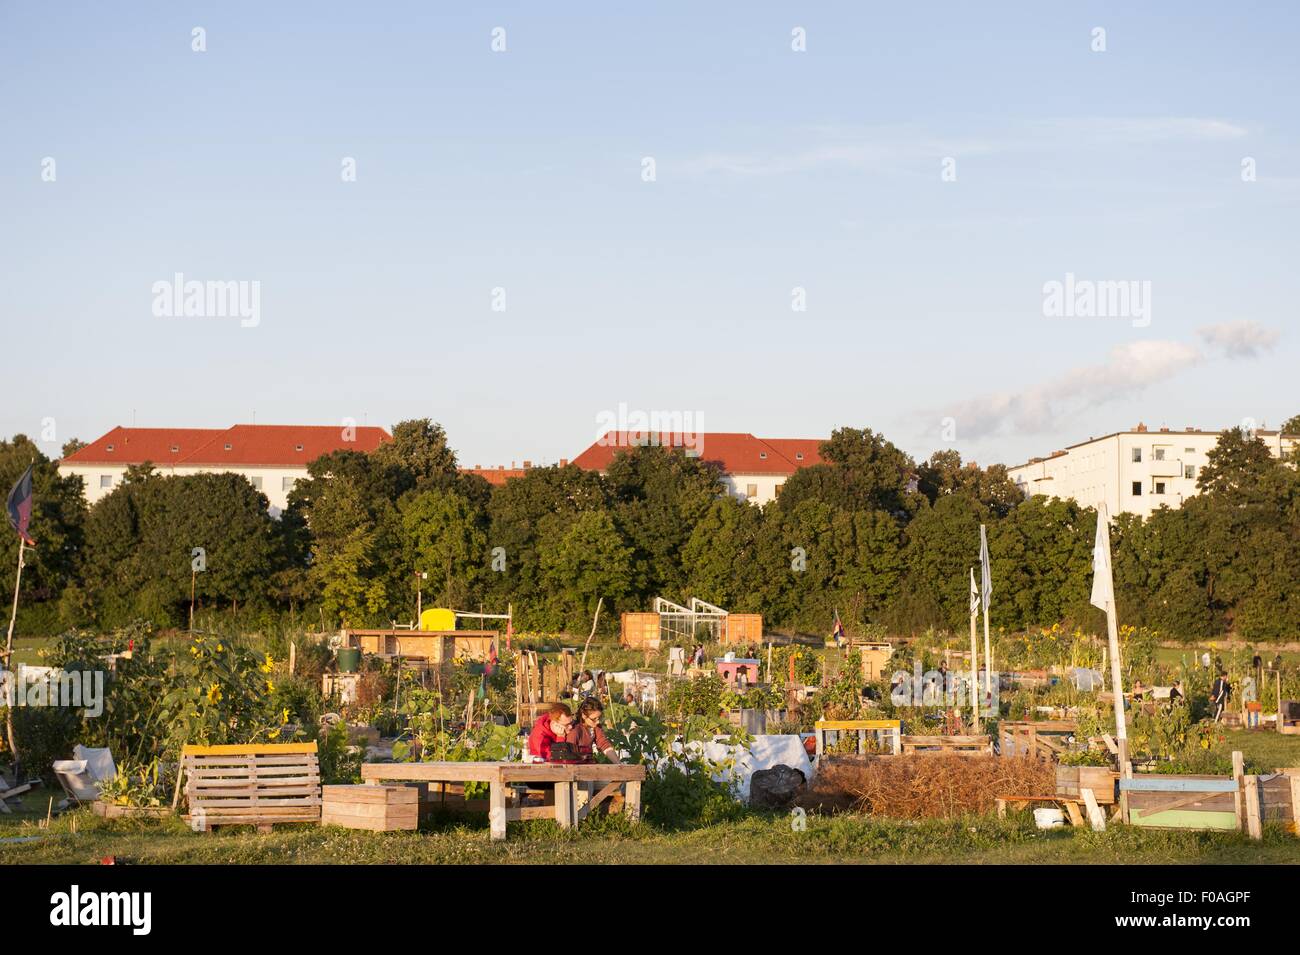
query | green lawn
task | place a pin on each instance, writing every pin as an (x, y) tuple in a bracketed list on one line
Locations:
[(757, 839), (1265, 748)]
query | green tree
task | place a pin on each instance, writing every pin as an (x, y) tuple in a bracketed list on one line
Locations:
[(444, 536), (581, 562), (58, 525)]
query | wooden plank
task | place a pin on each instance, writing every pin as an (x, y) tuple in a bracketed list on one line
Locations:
[(1072, 807), (858, 724), (1095, 815), (1295, 803), (497, 811), (253, 749), (632, 800), (1254, 825), (433, 772), (1176, 784), (1239, 777)]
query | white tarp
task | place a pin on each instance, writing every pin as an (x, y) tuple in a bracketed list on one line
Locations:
[(763, 753)]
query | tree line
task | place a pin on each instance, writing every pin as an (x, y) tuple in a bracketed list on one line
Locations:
[(871, 534)]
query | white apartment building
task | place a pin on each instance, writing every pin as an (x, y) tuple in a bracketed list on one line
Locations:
[(1133, 472), (272, 457)]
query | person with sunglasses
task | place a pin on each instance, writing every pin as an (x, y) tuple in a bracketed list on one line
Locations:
[(587, 734)]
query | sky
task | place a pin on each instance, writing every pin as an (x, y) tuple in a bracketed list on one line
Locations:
[(664, 208)]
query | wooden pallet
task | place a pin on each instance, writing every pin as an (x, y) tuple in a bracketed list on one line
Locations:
[(255, 785)]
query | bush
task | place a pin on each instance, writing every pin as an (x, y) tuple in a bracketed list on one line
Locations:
[(686, 798)]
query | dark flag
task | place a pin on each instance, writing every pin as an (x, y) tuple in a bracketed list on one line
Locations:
[(20, 506)]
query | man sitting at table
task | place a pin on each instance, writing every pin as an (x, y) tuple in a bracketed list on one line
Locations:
[(551, 728), (588, 735)]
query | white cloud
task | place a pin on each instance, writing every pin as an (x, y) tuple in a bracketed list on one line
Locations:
[(868, 148), (1128, 369), (1243, 339)]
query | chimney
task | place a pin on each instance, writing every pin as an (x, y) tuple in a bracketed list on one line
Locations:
[(1164, 429), (527, 465), (478, 467), (1141, 428), (564, 462)]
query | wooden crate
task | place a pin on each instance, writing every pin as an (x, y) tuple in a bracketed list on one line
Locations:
[(377, 808), (1072, 780), (254, 785), (744, 628), (639, 631), (977, 745), (875, 659)]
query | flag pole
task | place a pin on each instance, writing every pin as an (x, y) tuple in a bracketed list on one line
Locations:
[(986, 587), (1103, 597), (974, 664), (9, 653)]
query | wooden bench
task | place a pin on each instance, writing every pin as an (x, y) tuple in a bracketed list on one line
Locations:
[(1071, 806), (254, 785), (566, 778)]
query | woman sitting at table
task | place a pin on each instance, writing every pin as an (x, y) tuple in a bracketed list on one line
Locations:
[(588, 735), (552, 727)]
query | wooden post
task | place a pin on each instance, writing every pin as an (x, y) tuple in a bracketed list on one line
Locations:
[(632, 806), (564, 804), (1239, 775), (1279, 699), (497, 809), (293, 657), (1295, 803), (1254, 825)]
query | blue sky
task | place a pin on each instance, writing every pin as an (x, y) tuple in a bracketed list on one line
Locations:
[(775, 169)]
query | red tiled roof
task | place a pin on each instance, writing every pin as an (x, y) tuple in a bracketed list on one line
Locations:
[(498, 475), (244, 445), (736, 453)]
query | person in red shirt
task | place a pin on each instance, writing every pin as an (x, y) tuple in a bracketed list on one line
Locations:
[(588, 735), (552, 727)]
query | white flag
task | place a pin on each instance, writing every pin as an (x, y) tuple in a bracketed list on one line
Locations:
[(986, 575), (974, 594), (1103, 584)]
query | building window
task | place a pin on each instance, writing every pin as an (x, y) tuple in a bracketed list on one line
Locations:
[(751, 490), (1137, 488), (228, 447), (297, 447), (762, 455), (1189, 450), (175, 448), (106, 480), (256, 481), (286, 483), (1160, 454), (777, 489), (109, 448), (1189, 471), (798, 455), (1137, 455), (1160, 487)]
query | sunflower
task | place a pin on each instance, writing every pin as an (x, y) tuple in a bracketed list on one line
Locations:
[(214, 693)]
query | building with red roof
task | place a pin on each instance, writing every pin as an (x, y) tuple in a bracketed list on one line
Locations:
[(271, 456), (753, 468)]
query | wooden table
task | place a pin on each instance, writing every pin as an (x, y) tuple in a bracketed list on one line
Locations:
[(566, 778)]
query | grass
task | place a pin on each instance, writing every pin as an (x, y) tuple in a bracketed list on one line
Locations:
[(759, 838), (1265, 748)]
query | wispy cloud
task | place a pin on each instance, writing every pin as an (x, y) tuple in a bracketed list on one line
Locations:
[(869, 148), (1243, 339), (1128, 370)]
